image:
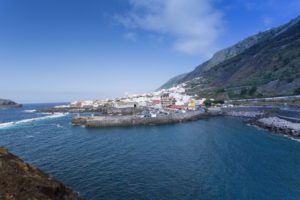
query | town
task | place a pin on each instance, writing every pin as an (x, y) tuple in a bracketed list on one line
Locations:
[(165, 100)]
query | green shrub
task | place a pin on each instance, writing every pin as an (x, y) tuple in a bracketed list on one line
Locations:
[(297, 91), (243, 92), (252, 91), (272, 111), (221, 90), (220, 101), (207, 103), (259, 95), (286, 61)]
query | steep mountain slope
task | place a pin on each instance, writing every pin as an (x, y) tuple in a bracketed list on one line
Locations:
[(173, 81), (220, 57), (267, 64)]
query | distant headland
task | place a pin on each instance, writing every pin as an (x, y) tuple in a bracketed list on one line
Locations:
[(6, 103)]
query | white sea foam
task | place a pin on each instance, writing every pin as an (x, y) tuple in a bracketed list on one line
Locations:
[(295, 139), (58, 125), (62, 106), (25, 121), (29, 111)]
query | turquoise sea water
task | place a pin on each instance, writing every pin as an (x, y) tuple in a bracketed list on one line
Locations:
[(218, 158)]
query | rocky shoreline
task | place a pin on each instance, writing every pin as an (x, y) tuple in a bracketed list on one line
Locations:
[(268, 118), (277, 125), (19, 180)]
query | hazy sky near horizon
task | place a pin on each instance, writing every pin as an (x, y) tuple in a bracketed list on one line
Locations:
[(63, 50)]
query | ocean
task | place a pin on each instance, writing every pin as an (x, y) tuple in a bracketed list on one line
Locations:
[(216, 158)]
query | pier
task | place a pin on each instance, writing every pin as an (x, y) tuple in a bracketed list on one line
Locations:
[(135, 120)]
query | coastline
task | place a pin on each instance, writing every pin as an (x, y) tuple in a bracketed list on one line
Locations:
[(102, 141), (269, 118), (279, 126)]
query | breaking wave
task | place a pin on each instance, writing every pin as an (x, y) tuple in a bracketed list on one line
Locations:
[(25, 121), (295, 139), (29, 111)]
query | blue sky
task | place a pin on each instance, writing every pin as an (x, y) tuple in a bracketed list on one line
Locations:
[(63, 50)]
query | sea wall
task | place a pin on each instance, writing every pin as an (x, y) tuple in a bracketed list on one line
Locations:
[(132, 120), (277, 119), (89, 109), (123, 111)]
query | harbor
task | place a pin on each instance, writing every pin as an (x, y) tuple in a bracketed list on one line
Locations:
[(137, 120)]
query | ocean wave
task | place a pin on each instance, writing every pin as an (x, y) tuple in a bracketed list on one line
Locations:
[(29, 111), (25, 121), (295, 139), (62, 106)]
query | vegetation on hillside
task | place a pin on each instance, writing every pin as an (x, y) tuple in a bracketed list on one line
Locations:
[(267, 64)]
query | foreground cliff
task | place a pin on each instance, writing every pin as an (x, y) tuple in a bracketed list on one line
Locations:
[(19, 180)]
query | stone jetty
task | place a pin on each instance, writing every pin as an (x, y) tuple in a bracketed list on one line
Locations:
[(135, 120), (275, 124)]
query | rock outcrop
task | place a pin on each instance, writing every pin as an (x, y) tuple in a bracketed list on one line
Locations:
[(278, 125), (5, 103), (19, 180)]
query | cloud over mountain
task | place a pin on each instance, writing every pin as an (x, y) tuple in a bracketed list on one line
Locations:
[(192, 25)]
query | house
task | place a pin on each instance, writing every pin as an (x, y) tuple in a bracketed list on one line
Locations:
[(192, 105), (177, 107), (166, 100)]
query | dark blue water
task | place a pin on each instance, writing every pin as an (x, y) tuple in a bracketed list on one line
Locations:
[(219, 158)]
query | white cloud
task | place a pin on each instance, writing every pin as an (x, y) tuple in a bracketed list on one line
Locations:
[(193, 25)]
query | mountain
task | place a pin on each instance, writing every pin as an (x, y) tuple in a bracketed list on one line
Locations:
[(19, 180), (266, 64), (5, 103), (173, 81)]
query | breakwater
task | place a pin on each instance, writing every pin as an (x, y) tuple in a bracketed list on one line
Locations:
[(277, 119), (135, 120), (89, 109), (278, 125)]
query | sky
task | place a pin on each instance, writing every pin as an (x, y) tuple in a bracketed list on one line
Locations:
[(66, 50)]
